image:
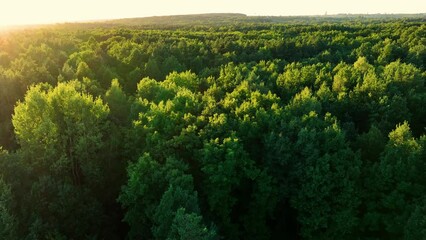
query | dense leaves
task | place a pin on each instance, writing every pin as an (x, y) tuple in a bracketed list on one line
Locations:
[(268, 128)]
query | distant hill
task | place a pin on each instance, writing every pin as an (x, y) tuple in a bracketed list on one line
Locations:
[(210, 19), (223, 19), (193, 19), (218, 19)]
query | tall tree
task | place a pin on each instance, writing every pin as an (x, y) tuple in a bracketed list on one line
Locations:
[(60, 131)]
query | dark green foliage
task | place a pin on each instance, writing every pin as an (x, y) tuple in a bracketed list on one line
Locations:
[(416, 224), (217, 126), (154, 195), (8, 222), (227, 168), (398, 175), (189, 226)]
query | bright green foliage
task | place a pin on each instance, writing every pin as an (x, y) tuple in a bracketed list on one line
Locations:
[(166, 120), (126, 52), (295, 78), (403, 77), (62, 127), (362, 65), (117, 102), (304, 103), (186, 80), (345, 78), (60, 130), (83, 70)]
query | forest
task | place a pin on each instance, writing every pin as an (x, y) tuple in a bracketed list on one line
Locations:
[(214, 127)]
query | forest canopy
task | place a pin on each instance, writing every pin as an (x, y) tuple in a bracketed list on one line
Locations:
[(225, 127)]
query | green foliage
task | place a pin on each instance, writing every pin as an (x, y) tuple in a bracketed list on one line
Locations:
[(189, 226), (186, 80), (327, 199), (227, 166), (154, 195), (403, 77), (173, 199), (152, 69), (172, 64), (399, 177), (8, 224), (416, 224), (60, 130), (296, 77), (62, 127), (141, 193), (231, 127), (117, 102)]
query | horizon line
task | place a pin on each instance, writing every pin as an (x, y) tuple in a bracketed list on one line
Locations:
[(88, 20)]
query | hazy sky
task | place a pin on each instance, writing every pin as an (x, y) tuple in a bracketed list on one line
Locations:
[(46, 11)]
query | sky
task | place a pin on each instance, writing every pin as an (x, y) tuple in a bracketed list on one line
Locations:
[(17, 12)]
